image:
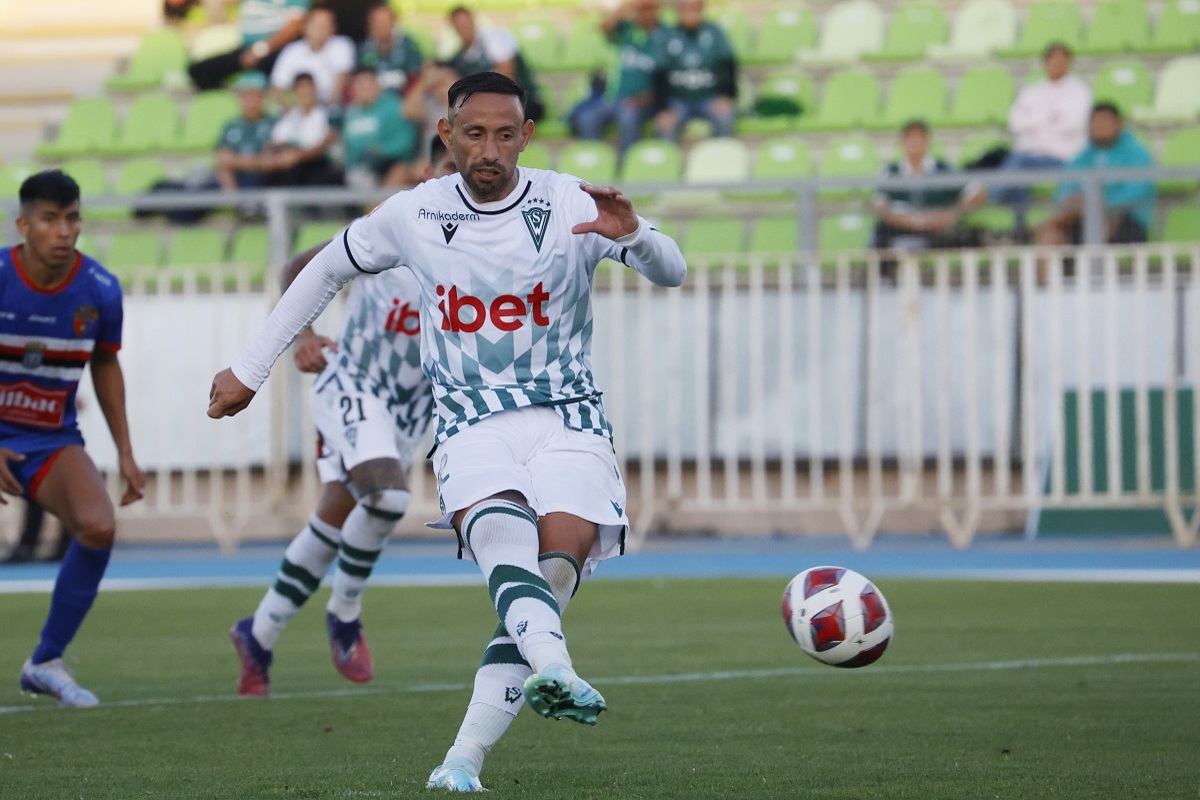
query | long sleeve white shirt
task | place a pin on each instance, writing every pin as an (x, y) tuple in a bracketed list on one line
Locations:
[(1050, 118)]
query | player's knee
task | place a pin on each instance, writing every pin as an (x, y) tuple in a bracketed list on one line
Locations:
[(96, 531), (390, 503), (561, 572)]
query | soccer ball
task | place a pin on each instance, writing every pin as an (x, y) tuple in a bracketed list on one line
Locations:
[(837, 616)]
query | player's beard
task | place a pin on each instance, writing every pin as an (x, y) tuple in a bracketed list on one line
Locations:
[(487, 189)]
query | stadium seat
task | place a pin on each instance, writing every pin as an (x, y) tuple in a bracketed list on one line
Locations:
[(782, 158), (595, 162), (985, 95), (138, 175), (11, 178), (1178, 28), (980, 27), (134, 254), (535, 156), (977, 144), (718, 161), (714, 236), (784, 34), (915, 26), (1118, 26), (251, 247), (207, 116), (1177, 99), (90, 246), (839, 233), (1127, 84), (852, 156), (1181, 224), (652, 161), (151, 125), (214, 40), (160, 54), (916, 93), (1182, 149), (852, 28), (585, 49), (774, 236), (89, 127), (311, 234), (200, 251), (91, 176), (779, 91), (540, 44), (736, 25), (1047, 21), (850, 100)]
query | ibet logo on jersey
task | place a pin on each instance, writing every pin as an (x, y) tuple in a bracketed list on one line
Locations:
[(403, 319), (26, 404), (465, 313)]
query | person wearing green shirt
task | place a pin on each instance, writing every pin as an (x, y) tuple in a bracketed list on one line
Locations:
[(392, 53), (240, 161), (380, 144), (628, 98), (494, 50), (695, 74), (266, 26)]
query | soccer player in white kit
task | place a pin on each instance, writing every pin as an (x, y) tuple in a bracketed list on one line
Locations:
[(371, 406), (505, 258)]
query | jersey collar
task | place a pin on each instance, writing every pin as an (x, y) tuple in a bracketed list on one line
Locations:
[(494, 207), (20, 268)]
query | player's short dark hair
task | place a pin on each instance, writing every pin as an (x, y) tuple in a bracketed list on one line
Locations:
[(304, 76), (915, 125), (52, 185), (484, 83), (437, 149), (1111, 108), (1057, 47)]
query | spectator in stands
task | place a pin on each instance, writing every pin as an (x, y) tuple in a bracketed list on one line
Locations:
[(1128, 205), (494, 50), (628, 97), (298, 153), (695, 74), (266, 25), (381, 146), (390, 52), (321, 54), (1048, 123), (425, 102), (240, 160), (921, 218)]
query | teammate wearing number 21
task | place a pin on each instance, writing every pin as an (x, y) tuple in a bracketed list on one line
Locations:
[(505, 257)]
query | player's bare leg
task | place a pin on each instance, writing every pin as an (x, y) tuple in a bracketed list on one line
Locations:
[(72, 490)]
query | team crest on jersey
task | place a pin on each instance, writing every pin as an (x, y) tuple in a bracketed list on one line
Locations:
[(85, 321), (537, 220), (351, 435), (35, 354)]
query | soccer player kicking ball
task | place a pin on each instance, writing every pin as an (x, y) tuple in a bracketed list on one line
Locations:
[(371, 405), (505, 258), (59, 310)]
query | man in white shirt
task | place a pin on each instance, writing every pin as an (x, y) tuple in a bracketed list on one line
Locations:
[(298, 153), (322, 54), (1049, 124)]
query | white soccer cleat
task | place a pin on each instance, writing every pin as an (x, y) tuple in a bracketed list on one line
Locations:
[(455, 776), (54, 679)]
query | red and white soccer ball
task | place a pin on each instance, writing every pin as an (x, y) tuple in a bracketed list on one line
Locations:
[(837, 616)]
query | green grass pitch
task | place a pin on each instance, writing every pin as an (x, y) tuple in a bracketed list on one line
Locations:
[(945, 713)]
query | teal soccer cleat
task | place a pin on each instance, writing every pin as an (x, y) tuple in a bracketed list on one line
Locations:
[(558, 692), (454, 776)]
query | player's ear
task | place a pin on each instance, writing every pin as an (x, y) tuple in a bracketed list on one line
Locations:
[(526, 134), (444, 131)]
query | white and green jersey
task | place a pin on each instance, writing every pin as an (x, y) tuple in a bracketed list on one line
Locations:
[(505, 287), (379, 348)]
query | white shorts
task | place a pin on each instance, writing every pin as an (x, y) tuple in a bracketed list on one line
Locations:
[(354, 427), (556, 468)]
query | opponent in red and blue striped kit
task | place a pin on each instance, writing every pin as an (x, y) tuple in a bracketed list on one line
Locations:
[(60, 311)]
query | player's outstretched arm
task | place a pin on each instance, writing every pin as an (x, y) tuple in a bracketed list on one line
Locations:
[(309, 354), (109, 383), (650, 252)]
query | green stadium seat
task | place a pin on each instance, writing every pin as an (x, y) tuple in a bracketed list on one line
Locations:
[(1118, 26), (1047, 21), (1177, 99), (160, 54), (985, 94), (595, 162), (776, 236), (541, 46), (214, 40), (89, 127), (852, 28), (208, 114), (783, 158), (838, 233), (852, 156), (1125, 83), (714, 236), (1182, 224), (535, 156), (915, 26), (90, 246), (784, 34), (736, 25), (196, 250), (138, 175), (779, 92), (134, 254), (980, 27), (251, 247), (850, 100), (718, 161), (11, 178), (585, 49), (652, 161), (996, 219), (916, 93), (151, 125), (311, 234), (1178, 28), (977, 144), (1182, 149), (91, 176)]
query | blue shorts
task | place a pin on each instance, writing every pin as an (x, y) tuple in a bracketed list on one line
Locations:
[(40, 451)]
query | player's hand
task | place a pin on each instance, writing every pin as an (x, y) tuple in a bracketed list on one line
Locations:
[(135, 481), (228, 396), (616, 213), (310, 351), (8, 482)]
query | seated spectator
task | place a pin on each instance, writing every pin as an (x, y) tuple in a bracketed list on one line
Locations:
[(266, 26), (381, 146), (494, 50), (1048, 123), (919, 219), (1128, 205), (298, 153), (629, 96), (390, 52), (695, 74), (425, 102), (321, 54), (240, 160)]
